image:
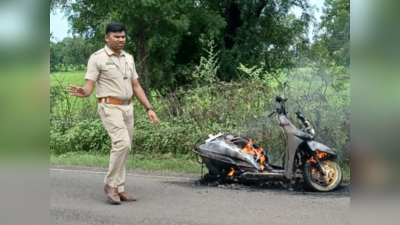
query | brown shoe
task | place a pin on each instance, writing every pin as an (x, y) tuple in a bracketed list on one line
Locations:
[(126, 198), (112, 195)]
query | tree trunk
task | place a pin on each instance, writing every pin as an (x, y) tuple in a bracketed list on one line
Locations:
[(233, 21), (143, 63)]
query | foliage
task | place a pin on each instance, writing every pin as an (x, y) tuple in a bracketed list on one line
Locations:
[(70, 53), (206, 71), (85, 135), (65, 107), (162, 35), (165, 36), (261, 31), (261, 75), (336, 24)]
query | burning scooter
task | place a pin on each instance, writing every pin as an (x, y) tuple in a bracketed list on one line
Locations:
[(237, 158)]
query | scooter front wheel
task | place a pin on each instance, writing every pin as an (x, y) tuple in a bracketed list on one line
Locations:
[(318, 181)]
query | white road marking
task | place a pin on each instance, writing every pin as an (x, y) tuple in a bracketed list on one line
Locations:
[(128, 174)]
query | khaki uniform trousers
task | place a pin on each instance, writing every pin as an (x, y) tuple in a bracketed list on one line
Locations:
[(118, 121)]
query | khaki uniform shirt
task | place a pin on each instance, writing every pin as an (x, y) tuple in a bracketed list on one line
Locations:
[(113, 75)]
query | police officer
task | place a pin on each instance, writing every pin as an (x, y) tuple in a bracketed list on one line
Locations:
[(113, 70)]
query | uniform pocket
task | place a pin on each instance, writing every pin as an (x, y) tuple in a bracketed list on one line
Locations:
[(110, 71)]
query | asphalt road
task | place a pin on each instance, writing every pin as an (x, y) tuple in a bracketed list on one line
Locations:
[(77, 197)]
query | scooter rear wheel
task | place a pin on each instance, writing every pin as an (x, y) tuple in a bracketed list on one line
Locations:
[(318, 181)]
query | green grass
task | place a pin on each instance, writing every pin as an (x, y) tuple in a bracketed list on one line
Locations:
[(184, 164), (346, 173), (65, 79), (68, 78)]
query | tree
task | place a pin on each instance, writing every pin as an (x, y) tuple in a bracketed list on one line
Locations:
[(70, 51), (166, 36), (261, 31), (156, 32), (54, 56), (76, 50), (336, 24)]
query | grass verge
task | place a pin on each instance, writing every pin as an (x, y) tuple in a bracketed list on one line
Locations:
[(185, 164), (346, 173)]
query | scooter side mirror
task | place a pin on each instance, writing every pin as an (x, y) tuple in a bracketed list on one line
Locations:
[(279, 99)]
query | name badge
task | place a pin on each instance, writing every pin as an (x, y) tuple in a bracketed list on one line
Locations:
[(110, 63)]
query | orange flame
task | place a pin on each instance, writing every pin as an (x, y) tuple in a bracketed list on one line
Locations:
[(262, 158), (248, 149), (320, 155), (231, 173), (256, 152), (312, 159), (313, 171)]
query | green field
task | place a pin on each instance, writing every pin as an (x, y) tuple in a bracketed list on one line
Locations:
[(68, 78), (64, 103)]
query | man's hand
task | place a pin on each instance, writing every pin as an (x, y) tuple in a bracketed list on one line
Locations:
[(76, 91), (153, 117)]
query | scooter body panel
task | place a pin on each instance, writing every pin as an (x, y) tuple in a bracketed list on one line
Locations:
[(219, 154), (294, 138), (314, 146), (292, 145)]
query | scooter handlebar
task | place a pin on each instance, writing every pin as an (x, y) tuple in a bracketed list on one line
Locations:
[(302, 119), (300, 116), (305, 122)]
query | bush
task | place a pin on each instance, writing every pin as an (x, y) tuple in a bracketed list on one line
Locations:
[(86, 135), (81, 67)]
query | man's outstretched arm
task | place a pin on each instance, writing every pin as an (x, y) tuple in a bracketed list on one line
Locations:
[(82, 92)]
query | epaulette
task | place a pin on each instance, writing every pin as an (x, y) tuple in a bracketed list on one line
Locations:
[(127, 54), (99, 51)]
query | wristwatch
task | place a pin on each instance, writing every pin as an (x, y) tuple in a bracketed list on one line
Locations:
[(150, 108)]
